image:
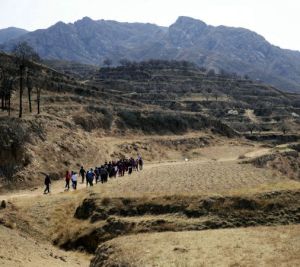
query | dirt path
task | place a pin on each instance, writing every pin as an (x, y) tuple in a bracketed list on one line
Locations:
[(56, 188), (216, 170), (258, 152)]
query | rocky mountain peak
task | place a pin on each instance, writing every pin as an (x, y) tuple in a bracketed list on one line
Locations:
[(184, 21), (85, 21), (186, 30)]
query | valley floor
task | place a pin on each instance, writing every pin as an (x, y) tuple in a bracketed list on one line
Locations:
[(35, 220)]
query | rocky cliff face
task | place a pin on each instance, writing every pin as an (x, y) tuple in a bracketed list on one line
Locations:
[(231, 49)]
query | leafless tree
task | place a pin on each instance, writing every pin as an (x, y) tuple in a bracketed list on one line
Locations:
[(29, 89), (216, 95), (125, 62), (24, 54), (5, 91), (251, 127), (38, 98), (1, 88), (285, 126), (107, 62)]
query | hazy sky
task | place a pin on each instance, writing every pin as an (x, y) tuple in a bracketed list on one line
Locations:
[(277, 20)]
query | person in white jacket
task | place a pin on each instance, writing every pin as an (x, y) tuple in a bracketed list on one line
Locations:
[(74, 180)]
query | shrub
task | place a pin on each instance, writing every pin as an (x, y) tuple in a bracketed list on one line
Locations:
[(14, 135), (91, 122), (161, 123)]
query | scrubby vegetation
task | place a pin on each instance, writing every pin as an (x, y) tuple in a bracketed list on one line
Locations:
[(161, 123), (13, 138), (152, 97), (180, 86)]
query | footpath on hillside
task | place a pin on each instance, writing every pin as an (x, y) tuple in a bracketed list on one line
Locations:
[(213, 167)]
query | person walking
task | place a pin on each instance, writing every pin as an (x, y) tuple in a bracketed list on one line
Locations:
[(67, 178), (97, 174), (90, 177), (103, 174), (47, 184), (74, 180), (140, 162), (82, 173), (130, 165)]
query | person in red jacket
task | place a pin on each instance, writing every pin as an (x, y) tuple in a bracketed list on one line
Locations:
[(68, 178)]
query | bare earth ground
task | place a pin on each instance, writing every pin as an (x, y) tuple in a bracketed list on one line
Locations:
[(217, 170), (258, 246), (214, 170), (18, 249)]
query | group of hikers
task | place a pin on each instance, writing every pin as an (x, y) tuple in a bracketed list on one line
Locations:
[(110, 169)]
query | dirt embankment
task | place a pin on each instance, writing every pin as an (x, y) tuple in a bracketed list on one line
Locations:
[(112, 217), (274, 138), (287, 162)]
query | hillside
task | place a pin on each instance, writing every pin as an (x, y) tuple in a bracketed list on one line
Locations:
[(233, 50), (151, 98), (220, 172), (243, 104), (74, 116)]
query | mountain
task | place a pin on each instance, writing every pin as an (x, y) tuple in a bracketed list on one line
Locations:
[(90, 42), (230, 49), (10, 33)]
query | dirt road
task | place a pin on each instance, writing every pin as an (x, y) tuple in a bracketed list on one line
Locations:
[(216, 171)]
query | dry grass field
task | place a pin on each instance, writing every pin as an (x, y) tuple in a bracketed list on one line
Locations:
[(192, 178), (258, 246), (210, 174), (18, 249)]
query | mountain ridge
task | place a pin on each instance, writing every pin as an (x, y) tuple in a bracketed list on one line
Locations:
[(221, 48), (9, 33)]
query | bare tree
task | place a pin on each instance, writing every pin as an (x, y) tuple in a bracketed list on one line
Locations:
[(125, 62), (251, 127), (206, 95), (5, 91), (107, 62), (38, 98), (216, 95), (211, 73), (29, 89), (24, 54), (1, 88), (285, 126), (9, 88)]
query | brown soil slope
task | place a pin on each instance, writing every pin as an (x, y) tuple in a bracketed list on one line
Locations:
[(17, 249), (259, 246)]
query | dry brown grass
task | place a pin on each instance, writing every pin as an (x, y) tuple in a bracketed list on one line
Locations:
[(216, 172), (194, 178), (259, 246), (17, 249)]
